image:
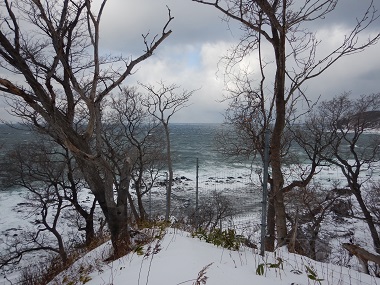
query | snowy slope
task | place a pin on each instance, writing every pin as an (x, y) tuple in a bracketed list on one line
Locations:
[(179, 259)]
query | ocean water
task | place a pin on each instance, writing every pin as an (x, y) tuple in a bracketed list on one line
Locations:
[(10, 136), (239, 181), (189, 142), (197, 141)]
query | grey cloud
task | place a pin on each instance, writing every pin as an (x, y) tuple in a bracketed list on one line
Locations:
[(125, 21), (195, 25), (373, 74)]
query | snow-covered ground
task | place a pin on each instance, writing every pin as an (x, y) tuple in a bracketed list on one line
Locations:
[(178, 258), (181, 258)]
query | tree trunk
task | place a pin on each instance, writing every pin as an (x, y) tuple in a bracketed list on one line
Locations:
[(277, 176), (141, 208), (312, 244), (271, 223), (88, 217), (90, 232), (368, 219), (133, 208), (140, 204), (138, 185), (101, 184), (118, 227), (363, 255), (170, 173), (277, 134)]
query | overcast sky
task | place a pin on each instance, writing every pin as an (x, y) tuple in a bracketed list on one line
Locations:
[(189, 57)]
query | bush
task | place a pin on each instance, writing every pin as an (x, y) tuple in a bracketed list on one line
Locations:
[(227, 238), (212, 211)]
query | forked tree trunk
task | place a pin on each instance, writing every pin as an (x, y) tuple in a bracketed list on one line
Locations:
[(368, 219), (116, 214)]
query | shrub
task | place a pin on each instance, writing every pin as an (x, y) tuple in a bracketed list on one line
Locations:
[(227, 238)]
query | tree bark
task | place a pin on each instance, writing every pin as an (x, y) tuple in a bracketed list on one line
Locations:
[(170, 173), (100, 181), (118, 226), (271, 223), (277, 134), (133, 208), (363, 255), (369, 219)]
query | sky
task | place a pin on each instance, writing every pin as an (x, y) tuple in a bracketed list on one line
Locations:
[(189, 57)]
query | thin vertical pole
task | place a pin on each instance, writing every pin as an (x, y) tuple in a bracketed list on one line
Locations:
[(150, 203), (167, 212), (265, 192), (196, 195)]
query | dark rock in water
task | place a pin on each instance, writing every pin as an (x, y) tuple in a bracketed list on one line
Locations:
[(185, 178), (230, 177), (342, 191), (12, 229), (177, 179), (161, 183), (342, 208)]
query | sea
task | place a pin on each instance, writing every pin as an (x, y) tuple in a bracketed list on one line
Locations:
[(191, 144), (200, 171), (200, 167), (195, 157)]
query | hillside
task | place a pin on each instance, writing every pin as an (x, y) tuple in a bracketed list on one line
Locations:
[(370, 119), (177, 258)]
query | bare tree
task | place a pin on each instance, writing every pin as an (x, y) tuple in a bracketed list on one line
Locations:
[(45, 235), (296, 59), (213, 210), (340, 125), (40, 171), (373, 200), (132, 131), (58, 81), (247, 117), (162, 103), (311, 205)]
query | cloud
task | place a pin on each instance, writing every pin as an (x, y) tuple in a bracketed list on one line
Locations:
[(189, 57), (193, 68)]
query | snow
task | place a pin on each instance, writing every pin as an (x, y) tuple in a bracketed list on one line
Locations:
[(180, 258)]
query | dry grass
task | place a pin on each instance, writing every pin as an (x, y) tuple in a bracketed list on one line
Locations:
[(44, 273)]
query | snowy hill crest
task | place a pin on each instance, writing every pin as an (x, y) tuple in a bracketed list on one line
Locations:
[(180, 259)]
